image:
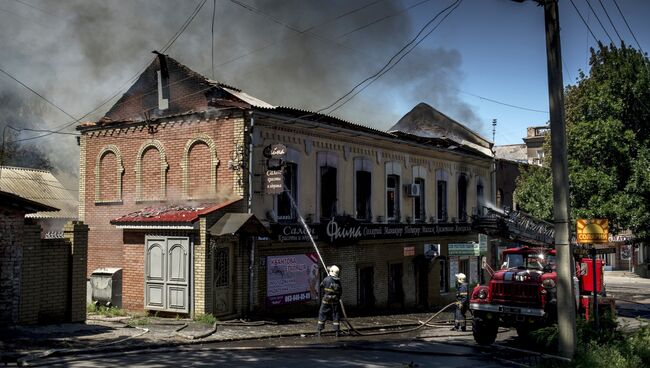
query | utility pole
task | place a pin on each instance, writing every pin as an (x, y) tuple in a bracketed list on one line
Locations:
[(565, 294), (566, 303)]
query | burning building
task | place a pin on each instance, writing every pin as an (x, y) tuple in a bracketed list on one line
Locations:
[(198, 192)]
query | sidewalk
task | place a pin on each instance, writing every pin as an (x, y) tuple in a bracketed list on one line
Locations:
[(104, 334)]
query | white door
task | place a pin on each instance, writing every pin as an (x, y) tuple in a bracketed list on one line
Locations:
[(167, 271)]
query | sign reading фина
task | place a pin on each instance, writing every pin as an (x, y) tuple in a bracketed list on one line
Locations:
[(592, 231)]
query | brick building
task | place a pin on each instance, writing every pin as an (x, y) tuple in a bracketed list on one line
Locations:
[(195, 190)]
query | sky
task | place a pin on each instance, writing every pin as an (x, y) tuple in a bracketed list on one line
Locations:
[(301, 53)]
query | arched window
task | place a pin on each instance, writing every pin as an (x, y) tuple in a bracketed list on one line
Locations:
[(108, 175), (151, 172), (200, 167), (462, 198)]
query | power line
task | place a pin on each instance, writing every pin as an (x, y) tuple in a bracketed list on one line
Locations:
[(36, 93), (388, 65), (583, 21), (504, 103), (382, 19), (599, 22), (610, 20), (183, 27), (628, 26), (167, 45)]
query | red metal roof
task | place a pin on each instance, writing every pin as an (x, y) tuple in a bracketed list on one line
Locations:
[(172, 213)]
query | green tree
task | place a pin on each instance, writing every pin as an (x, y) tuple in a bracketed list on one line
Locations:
[(608, 139)]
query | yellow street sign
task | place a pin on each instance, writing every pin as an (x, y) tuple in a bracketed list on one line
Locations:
[(592, 231)]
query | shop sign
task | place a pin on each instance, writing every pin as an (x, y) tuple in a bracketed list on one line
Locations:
[(592, 231), (482, 243), (274, 181), (291, 278), (409, 251), (463, 249), (345, 230)]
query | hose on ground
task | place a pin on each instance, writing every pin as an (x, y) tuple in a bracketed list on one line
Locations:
[(422, 324)]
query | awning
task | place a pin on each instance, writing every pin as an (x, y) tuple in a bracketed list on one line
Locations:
[(232, 223)]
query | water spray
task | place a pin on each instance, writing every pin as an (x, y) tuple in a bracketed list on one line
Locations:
[(345, 316)]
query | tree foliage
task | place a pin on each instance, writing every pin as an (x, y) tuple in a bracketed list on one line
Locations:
[(608, 137)]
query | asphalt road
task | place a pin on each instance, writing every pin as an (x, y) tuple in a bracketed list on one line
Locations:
[(396, 353)]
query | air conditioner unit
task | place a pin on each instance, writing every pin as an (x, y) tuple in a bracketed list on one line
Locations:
[(413, 190)]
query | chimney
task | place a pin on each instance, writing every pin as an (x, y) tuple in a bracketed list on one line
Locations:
[(163, 82)]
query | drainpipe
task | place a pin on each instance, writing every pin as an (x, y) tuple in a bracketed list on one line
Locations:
[(251, 262)]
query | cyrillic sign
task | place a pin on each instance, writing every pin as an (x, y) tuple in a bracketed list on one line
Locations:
[(592, 231)]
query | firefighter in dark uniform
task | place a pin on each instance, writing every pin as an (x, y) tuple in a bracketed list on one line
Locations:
[(462, 303), (330, 307)]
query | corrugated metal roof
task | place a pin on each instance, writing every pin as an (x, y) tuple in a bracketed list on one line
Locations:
[(171, 214), (42, 187), (253, 101)]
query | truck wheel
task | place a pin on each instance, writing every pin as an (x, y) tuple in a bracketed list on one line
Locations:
[(484, 332)]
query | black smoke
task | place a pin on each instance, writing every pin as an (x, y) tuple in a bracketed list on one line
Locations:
[(79, 52)]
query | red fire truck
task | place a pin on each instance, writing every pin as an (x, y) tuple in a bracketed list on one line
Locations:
[(522, 294)]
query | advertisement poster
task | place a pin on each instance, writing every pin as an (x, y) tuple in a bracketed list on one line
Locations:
[(292, 278)]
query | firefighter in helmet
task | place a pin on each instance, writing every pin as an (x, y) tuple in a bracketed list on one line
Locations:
[(462, 303), (330, 307)]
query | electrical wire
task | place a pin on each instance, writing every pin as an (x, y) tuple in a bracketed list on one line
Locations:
[(390, 64), (584, 21), (166, 47), (599, 22), (503, 103), (610, 20), (628, 26)]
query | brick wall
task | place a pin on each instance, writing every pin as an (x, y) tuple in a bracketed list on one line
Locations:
[(203, 133), (53, 276), (11, 243)]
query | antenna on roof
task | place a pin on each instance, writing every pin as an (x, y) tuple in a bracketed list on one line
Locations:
[(494, 129)]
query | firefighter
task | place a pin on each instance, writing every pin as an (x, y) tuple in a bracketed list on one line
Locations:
[(462, 303), (330, 307)]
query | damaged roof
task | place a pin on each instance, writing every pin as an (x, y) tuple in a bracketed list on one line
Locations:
[(42, 187), (423, 121), (511, 152), (170, 215)]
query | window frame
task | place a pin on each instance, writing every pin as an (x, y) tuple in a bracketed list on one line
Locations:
[(326, 159), (442, 209), (362, 164)]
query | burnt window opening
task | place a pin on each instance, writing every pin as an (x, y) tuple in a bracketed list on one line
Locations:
[(328, 191), (419, 205), (462, 198), (395, 288), (392, 198), (363, 190), (286, 199), (441, 190)]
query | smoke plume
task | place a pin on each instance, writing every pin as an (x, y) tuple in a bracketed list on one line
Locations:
[(298, 53)]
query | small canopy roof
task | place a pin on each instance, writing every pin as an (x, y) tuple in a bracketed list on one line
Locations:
[(232, 223)]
